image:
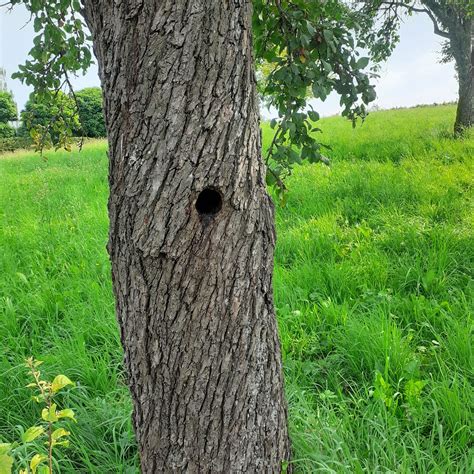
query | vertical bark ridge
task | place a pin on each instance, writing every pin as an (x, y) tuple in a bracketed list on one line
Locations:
[(193, 292)]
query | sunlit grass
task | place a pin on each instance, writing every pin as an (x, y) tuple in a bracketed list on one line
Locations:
[(373, 288)]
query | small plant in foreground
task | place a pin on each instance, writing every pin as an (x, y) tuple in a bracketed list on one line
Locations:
[(49, 428)]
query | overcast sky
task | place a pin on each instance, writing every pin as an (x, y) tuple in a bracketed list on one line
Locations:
[(411, 76)]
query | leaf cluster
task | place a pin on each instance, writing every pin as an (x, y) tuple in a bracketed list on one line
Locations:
[(306, 50), (382, 20), (51, 122), (61, 46)]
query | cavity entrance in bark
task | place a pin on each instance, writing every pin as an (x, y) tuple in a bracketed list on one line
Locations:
[(209, 202)]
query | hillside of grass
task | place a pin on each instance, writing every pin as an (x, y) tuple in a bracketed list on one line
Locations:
[(374, 290)]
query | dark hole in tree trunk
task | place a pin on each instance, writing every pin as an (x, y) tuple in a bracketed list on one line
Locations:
[(209, 202)]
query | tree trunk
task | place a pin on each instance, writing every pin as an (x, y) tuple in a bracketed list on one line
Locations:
[(463, 51), (191, 234)]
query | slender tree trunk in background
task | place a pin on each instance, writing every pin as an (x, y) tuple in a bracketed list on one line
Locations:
[(452, 22), (463, 51), (191, 234)]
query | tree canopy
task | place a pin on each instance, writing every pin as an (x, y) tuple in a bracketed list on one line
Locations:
[(91, 117), (8, 111), (382, 19)]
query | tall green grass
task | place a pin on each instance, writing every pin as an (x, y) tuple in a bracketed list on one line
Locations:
[(373, 288)]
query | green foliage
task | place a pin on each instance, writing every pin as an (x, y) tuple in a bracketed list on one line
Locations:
[(29, 456), (91, 117), (14, 143), (373, 275), (8, 111), (50, 122), (307, 50), (61, 45), (310, 49), (6, 130)]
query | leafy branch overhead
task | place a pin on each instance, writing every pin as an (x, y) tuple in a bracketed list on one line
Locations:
[(61, 48), (303, 50), (307, 50)]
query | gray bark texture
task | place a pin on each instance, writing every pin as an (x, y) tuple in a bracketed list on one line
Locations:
[(463, 51), (192, 278)]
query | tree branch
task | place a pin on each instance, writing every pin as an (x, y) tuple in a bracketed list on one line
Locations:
[(437, 30)]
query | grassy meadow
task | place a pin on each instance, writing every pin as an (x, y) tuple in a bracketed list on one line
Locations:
[(373, 285)]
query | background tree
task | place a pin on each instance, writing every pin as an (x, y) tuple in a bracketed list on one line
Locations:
[(191, 225), (8, 113), (6, 130), (91, 115), (453, 20), (8, 110), (50, 120)]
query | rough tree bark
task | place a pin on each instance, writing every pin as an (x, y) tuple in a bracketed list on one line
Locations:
[(191, 234)]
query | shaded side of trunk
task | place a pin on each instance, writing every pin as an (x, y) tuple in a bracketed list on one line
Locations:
[(191, 234)]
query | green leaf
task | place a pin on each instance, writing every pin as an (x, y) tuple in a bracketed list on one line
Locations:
[(314, 116), (66, 413), (50, 415), (59, 433), (370, 94), (270, 178), (38, 398), (5, 447), (327, 67), (59, 382), (328, 36), (362, 63), (413, 389), (36, 460), (43, 469), (6, 463), (64, 443), (32, 433)]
